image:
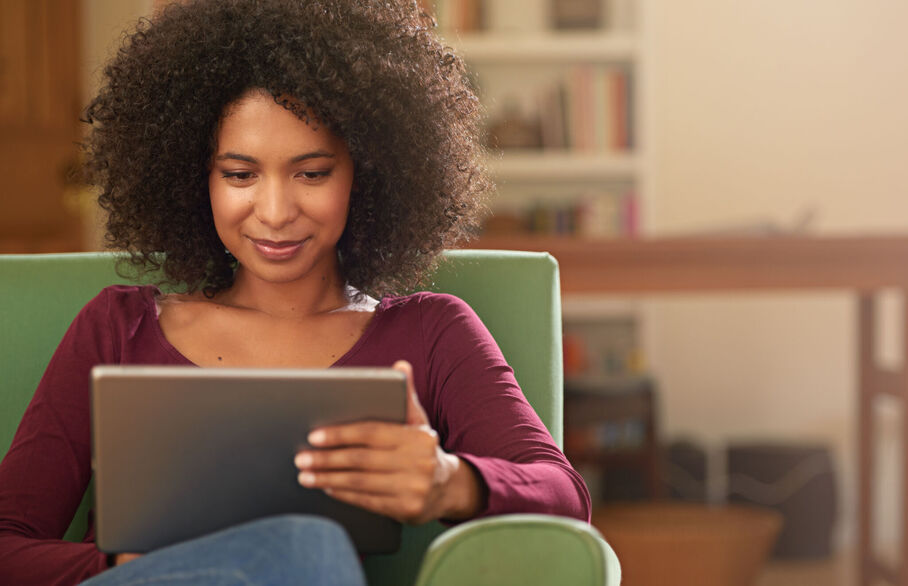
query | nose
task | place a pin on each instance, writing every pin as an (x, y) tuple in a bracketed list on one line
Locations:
[(275, 205)]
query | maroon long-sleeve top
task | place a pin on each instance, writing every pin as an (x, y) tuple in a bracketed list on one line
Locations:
[(464, 384)]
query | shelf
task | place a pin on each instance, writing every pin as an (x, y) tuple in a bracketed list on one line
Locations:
[(545, 47), (720, 264), (555, 166)]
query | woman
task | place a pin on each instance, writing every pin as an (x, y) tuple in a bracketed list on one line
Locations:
[(289, 165)]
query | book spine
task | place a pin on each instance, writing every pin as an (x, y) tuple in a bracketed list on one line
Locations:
[(620, 109), (630, 215), (602, 110)]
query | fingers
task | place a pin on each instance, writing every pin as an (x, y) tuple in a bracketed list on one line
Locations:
[(396, 479), (372, 448), (389, 468), (347, 459), (373, 434), (371, 483)]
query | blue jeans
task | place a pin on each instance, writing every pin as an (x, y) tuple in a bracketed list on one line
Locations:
[(278, 551)]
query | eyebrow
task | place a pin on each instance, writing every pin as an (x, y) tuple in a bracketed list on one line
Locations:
[(296, 159)]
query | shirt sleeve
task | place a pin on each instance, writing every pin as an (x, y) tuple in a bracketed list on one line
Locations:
[(44, 475), (483, 417)]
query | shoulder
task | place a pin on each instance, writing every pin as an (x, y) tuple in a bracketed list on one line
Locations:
[(117, 309), (122, 300), (432, 312), (113, 315), (425, 300), (427, 306)]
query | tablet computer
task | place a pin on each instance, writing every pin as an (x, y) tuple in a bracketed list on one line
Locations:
[(181, 452)]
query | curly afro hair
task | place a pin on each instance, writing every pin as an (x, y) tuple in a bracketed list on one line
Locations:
[(372, 72)]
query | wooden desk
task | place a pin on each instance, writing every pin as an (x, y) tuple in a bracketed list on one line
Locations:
[(863, 265)]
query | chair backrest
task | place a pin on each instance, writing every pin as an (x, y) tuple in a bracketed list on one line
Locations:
[(516, 294)]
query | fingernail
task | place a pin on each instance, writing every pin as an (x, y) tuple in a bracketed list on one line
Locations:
[(317, 437), (306, 478), (303, 460)]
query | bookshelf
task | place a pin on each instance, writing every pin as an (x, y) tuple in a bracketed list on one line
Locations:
[(546, 46), (564, 110), (550, 166), (564, 107), (611, 436)]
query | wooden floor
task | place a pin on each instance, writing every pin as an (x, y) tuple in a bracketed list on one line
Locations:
[(836, 571)]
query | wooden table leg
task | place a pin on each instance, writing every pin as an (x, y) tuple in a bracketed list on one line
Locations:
[(866, 367), (899, 388), (874, 383)]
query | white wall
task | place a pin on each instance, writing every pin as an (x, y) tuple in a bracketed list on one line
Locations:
[(758, 111), (762, 108)]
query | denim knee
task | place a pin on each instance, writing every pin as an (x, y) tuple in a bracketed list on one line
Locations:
[(281, 550), (306, 545), (294, 533), (291, 527)]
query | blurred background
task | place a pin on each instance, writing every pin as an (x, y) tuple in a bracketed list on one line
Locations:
[(625, 119)]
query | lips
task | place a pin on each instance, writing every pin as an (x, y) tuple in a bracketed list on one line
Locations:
[(278, 249)]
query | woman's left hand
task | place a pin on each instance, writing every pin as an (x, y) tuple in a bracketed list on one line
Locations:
[(397, 470)]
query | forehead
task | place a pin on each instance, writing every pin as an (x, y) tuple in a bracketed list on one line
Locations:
[(258, 119)]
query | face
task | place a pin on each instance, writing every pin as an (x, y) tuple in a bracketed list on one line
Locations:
[(280, 190)]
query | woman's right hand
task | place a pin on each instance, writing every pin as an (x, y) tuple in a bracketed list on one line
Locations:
[(397, 470)]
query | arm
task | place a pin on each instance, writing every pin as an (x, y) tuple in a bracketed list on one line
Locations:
[(494, 456), (483, 417), (45, 473)]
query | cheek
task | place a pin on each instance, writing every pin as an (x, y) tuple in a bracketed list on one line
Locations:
[(342, 206), (333, 209)]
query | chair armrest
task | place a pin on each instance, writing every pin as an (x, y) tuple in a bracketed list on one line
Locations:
[(523, 550)]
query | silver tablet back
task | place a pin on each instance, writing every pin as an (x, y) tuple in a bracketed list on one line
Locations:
[(180, 452)]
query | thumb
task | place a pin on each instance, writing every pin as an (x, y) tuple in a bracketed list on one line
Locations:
[(416, 415)]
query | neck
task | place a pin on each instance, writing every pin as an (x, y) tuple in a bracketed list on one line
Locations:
[(321, 292)]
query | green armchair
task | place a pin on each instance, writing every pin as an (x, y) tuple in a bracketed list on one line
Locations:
[(517, 296)]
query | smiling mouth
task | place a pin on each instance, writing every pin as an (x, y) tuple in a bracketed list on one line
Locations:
[(278, 250)]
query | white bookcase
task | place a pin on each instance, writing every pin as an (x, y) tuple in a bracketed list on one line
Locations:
[(518, 52), (514, 58)]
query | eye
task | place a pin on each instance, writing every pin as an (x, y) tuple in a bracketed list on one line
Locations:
[(239, 178), (238, 175), (314, 175)]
